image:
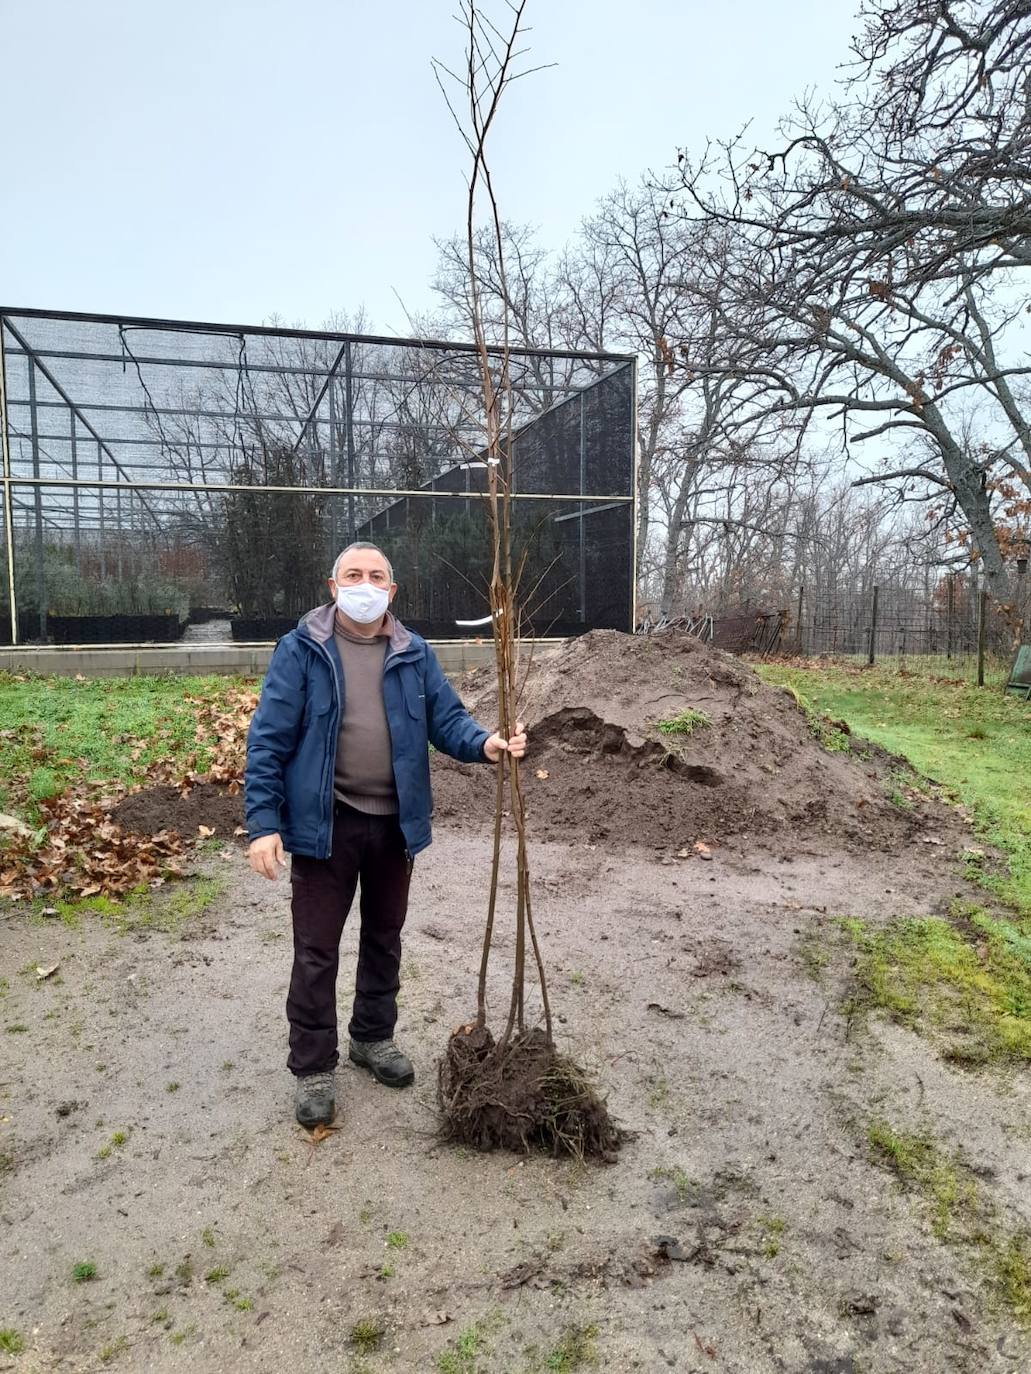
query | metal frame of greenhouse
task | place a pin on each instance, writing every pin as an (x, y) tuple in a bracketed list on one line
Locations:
[(149, 459)]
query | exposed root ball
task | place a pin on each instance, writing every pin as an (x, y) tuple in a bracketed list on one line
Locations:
[(522, 1096)]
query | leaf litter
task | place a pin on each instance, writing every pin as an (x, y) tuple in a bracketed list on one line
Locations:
[(107, 838)]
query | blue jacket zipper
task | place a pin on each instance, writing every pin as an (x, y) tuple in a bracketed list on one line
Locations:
[(327, 776)]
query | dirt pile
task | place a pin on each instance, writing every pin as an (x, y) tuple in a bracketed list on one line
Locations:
[(662, 741), (204, 810)]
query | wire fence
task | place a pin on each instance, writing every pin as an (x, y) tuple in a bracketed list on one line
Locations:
[(952, 629)]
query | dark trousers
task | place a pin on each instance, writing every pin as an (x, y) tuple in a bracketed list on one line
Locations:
[(370, 849)]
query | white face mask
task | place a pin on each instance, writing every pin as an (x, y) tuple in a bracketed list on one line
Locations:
[(364, 604)]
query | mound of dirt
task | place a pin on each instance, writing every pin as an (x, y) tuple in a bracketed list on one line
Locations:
[(164, 807), (752, 762)]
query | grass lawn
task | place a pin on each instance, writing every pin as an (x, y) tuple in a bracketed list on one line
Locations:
[(965, 981), (975, 742), (56, 729)]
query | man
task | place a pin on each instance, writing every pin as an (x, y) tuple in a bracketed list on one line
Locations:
[(338, 775)]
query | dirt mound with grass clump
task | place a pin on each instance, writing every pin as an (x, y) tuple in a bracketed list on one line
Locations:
[(662, 741)]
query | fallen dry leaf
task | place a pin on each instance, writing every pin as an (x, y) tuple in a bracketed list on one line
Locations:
[(205, 831), (42, 973), (542, 773)]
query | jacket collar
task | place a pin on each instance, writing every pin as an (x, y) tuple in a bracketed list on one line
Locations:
[(318, 624)]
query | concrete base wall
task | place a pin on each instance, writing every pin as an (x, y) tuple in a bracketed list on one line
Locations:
[(241, 660)]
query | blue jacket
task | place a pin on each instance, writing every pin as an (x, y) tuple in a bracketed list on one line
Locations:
[(292, 741)]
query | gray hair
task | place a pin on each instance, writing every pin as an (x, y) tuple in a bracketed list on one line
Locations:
[(361, 544)]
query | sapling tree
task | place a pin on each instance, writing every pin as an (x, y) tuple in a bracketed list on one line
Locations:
[(515, 1089)]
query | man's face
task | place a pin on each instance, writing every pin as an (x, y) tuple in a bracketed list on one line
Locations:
[(362, 565)]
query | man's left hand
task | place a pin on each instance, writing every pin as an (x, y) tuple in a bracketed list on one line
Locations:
[(496, 745)]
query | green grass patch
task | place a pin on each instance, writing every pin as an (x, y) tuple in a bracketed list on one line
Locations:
[(814, 954), (117, 1140), (771, 1230), (113, 1349), (684, 1186), (367, 1334), (84, 1271), (825, 731), (57, 730), (462, 1355), (11, 1343), (968, 980), (576, 1349), (975, 742), (168, 909), (959, 1213), (919, 1164), (684, 723), (1009, 1270)]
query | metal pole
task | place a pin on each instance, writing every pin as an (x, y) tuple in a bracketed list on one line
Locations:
[(583, 552), (635, 454), (120, 535), (949, 612), (389, 340), (100, 504), (798, 619), (8, 517), (349, 422), (982, 623), (75, 493), (334, 467), (873, 629), (235, 488), (41, 588)]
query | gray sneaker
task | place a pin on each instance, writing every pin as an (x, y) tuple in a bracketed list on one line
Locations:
[(315, 1099), (384, 1061)]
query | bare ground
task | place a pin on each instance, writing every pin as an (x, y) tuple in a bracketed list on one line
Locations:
[(684, 983)]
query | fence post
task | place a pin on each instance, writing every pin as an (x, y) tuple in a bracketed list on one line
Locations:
[(982, 622), (951, 589), (798, 619), (873, 629)]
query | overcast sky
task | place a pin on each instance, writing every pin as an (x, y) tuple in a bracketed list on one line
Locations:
[(231, 160)]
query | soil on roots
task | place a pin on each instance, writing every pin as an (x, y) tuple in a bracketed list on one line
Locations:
[(521, 1096)]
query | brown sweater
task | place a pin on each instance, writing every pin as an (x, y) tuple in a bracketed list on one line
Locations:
[(364, 773)]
